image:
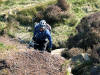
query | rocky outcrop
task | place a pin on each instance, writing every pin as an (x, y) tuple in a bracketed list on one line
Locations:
[(34, 63)]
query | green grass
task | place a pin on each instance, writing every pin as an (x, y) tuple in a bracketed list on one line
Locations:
[(18, 5), (83, 7), (2, 25), (61, 31), (79, 9), (1, 45)]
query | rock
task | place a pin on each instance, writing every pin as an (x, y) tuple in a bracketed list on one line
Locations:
[(77, 58), (95, 70), (81, 64), (72, 52), (82, 68), (81, 58), (57, 51)]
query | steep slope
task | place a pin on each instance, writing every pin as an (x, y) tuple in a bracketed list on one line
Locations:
[(24, 61), (32, 63)]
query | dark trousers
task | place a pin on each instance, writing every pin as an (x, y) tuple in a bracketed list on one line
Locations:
[(40, 44)]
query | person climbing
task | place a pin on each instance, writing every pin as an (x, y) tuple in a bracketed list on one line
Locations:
[(42, 36), (44, 23), (47, 25)]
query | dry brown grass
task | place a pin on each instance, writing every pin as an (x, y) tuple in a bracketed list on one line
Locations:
[(63, 4), (53, 13)]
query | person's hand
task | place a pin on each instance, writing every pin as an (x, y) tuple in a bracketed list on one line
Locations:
[(49, 50)]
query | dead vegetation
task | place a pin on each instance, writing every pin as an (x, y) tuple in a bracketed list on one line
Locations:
[(88, 33), (34, 63), (55, 13), (63, 5)]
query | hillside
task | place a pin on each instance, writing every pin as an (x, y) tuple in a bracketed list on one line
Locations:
[(31, 63), (75, 31)]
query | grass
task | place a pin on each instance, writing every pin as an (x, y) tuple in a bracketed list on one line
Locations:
[(2, 25), (61, 34), (83, 7), (66, 65), (79, 9), (29, 9), (26, 9), (18, 5), (4, 47), (24, 17)]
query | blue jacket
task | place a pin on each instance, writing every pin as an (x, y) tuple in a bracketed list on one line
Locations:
[(42, 35)]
